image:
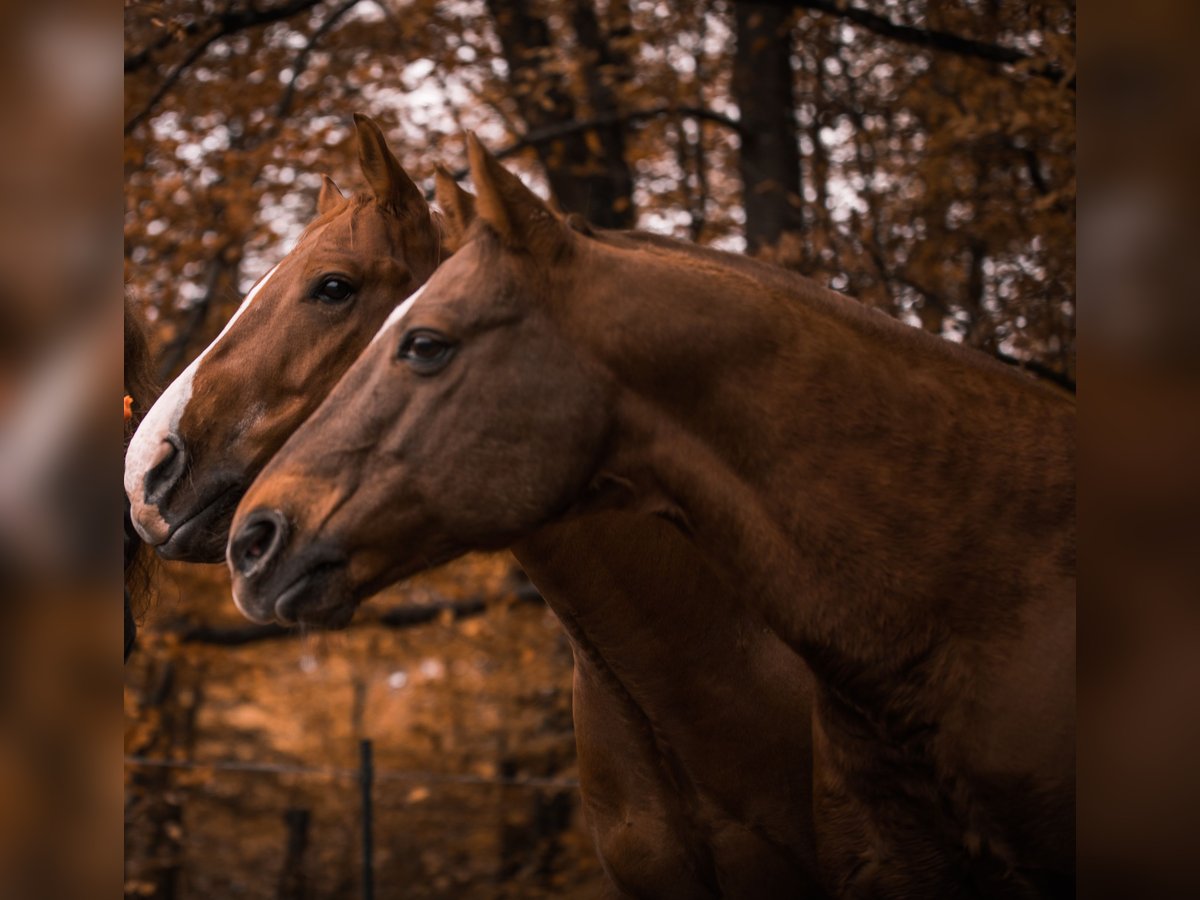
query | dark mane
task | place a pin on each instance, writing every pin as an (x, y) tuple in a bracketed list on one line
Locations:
[(140, 385)]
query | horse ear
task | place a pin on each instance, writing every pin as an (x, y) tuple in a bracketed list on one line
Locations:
[(330, 197), (387, 178), (521, 219), (457, 204)]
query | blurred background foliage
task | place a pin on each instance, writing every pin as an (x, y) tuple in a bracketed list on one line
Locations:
[(916, 154), (242, 747)]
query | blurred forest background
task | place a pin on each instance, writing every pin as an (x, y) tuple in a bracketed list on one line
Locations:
[(916, 154)]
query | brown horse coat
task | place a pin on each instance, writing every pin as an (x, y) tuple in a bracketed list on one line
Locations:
[(670, 816), (201, 444), (894, 510)]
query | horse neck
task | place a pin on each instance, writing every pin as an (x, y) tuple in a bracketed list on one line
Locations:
[(860, 477), (656, 631), (623, 581)]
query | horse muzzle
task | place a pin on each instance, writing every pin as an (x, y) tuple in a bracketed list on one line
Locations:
[(258, 541), (271, 584), (150, 477)]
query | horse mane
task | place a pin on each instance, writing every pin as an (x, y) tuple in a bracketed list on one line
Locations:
[(794, 286)]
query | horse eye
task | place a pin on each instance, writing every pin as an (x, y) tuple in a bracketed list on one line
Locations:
[(425, 351), (333, 289)]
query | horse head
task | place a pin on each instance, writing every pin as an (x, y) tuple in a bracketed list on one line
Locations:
[(201, 444), (469, 420)]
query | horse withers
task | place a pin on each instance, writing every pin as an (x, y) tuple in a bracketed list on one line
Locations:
[(201, 444), (895, 510)]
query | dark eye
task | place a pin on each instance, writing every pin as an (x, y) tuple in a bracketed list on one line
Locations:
[(333, 289), (425, 351)]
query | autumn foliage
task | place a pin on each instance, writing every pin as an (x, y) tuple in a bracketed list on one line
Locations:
[(916, 154)]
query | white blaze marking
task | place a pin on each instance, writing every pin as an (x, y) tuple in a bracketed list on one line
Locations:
[(162, 419), (399, 312)]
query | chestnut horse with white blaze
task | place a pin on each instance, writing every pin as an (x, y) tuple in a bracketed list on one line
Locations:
[(201, 444), (654, 722), (895, 511)]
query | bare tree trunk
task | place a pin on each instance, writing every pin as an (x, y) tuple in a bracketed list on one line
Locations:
[(596, 183), (293, 882), (606, 69), (819, 223), (157, 839), (770, 157)]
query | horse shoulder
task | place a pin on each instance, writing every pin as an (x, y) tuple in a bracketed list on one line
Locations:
[(632, 811)]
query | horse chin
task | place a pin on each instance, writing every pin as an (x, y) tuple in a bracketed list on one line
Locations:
[(205, 548), (202, 536), (320, 598)]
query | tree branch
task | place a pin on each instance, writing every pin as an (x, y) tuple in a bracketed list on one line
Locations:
[(923, 37), (554, 132), (1041, 370), (1032, 366), (169, 82), (226, 23), (172, 354), (301, 63), (140, 59), (229, 22), (396, 617)]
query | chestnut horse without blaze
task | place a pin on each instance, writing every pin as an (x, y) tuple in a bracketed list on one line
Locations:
[(897, 512)]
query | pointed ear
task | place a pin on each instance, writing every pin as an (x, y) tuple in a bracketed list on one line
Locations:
[(388, 180), (330, 197), (457, 205), (521, 219)]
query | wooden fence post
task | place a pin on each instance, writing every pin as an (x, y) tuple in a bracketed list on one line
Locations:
[(293, 882), (366, 776)]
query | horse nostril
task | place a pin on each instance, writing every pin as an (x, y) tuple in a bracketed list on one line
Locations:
[(168, 468), (257, 541)]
